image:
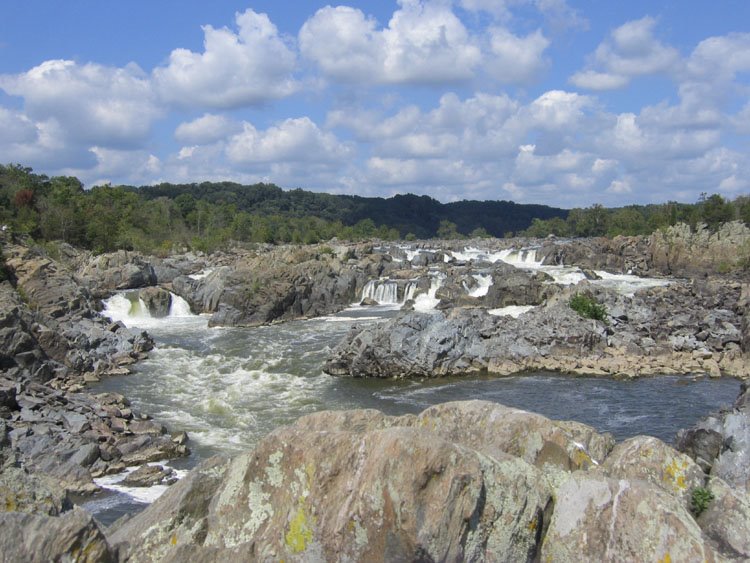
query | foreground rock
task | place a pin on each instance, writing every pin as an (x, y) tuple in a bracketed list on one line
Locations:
[(73, 536), (720, 442), (470, 481)]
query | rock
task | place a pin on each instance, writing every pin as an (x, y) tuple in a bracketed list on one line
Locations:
[(178, 517), (150, 475), (601, 519), (157, 300), (76, 422), (461, 481), (462, 341), (649, 459), (74, 536), (721, 442), (117, 270), (726, 520), (21, 491)]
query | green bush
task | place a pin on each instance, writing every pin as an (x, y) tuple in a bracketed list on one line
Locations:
[(700, 498), (588, 307)]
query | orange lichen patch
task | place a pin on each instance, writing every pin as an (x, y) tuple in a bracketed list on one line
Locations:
[(674, 473)]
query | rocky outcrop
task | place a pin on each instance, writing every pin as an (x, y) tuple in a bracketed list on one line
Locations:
[(469, 481), (679, 250), (279, 284), (685, 327), (52, 342), (117, 270), (720, 443)]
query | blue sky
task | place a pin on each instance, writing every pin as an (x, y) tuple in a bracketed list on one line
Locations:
[(566, 103)]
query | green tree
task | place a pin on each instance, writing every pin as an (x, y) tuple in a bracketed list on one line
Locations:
[(447, 231)]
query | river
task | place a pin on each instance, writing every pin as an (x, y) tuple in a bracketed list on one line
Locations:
[(229, 387)]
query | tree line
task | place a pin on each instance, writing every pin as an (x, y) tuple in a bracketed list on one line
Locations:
[(212, 215), (711, 211)]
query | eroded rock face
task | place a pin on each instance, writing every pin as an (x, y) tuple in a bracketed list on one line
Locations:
[(369, 487), (279, 284), (461, 341), (720, 442), (602, 519), (73, 536)]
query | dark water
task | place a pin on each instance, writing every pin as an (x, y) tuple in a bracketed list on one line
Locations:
[(230, 387)]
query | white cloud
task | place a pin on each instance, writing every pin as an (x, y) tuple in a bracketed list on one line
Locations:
[(252, 66), (91, 104), (631, 50), (16, 128), (206, 129), (344, 43), (516, 59), (424, 43), (721, 57), (558, 109), (620, 187), (293, 140)]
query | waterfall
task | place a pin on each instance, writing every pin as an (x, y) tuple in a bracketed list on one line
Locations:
[(383, 292), (484, 282), (411, 288), (521, 258), (131, 309), (428, 301)]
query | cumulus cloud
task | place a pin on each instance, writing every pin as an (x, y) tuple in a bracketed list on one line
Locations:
[(250, 66), (631, 50), (293, 140), (206, 129), (91, 104), (425, 42), (516, 59)]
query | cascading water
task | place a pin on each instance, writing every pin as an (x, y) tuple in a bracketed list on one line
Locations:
[(131, 310), (484, 282), (384, 292), (428, 301), (410, 290)]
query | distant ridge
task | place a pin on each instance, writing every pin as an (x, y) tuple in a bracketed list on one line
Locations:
[(418, 215)]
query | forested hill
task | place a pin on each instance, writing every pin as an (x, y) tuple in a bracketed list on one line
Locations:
[(418, 215), (214, 215)]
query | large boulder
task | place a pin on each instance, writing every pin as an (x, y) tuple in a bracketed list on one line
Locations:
[(650, 459), (461, 481), (597, 518), (117, 270), (74, 536), (467, 481)]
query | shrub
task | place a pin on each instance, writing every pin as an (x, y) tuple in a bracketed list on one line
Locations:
[(700, 498), (588, 307)]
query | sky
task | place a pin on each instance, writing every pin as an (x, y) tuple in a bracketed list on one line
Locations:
[(559, 102)]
